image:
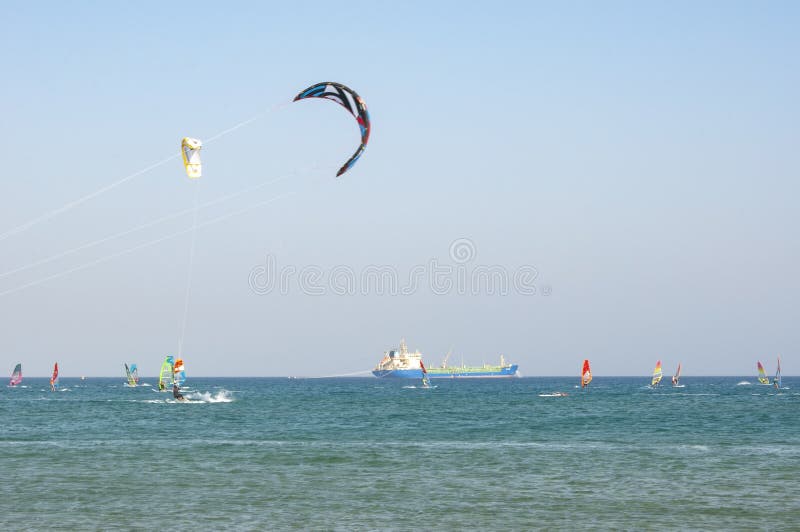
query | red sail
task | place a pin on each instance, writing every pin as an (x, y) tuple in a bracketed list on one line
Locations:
[(586, 374)]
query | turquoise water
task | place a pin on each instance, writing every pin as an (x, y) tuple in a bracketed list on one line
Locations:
[(375, 454)]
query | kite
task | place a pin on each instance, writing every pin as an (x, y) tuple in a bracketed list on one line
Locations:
[(190, 148), (351, 101)]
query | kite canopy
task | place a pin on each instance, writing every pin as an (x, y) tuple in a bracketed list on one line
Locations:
[(190, 148), (347, 98)]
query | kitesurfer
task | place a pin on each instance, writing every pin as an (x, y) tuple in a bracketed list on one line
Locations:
[(176, 393)]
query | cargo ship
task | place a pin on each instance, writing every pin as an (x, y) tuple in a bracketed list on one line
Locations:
[(402, 364)]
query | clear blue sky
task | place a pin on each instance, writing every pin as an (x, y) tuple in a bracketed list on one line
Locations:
[(642, 156)]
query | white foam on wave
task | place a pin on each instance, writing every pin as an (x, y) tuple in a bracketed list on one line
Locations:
[(744, 383), (694, 447), (222, 396)]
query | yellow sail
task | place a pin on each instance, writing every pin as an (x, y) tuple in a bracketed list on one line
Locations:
[(657, 374), (190, 148)]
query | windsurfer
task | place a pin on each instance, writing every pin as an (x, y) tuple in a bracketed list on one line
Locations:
[(161, 385), (176, 393)]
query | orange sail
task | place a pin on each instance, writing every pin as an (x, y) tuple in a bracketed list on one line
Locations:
[(586, 374)]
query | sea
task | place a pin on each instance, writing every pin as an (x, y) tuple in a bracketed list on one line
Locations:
[(719, 453)]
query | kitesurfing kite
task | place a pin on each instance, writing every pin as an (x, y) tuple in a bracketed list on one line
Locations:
[(190, 148), (351, 101)]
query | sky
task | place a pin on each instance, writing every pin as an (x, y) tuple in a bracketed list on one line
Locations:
[(547, 181)]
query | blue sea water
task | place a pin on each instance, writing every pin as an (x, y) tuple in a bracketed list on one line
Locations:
[(369, 454)]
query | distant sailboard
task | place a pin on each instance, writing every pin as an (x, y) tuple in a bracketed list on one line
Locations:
[(132, 374), (762, 374), (657, 375), (165, 376), (54, 378), (16, 376), (426, 383), (677, 378), (586, 374), (777, 380)]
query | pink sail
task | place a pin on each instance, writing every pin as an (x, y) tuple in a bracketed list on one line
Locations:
[(54, 378), (16, 377)]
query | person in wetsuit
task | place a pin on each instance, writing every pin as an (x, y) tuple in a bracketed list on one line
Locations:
[(176, 393)]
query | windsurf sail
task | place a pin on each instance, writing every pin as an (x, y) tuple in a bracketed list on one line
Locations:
[(129, 376), (777, 380), (586, 374), (190, 148), (426, 383), (762, 374), (179, 374), (135, 374), (657, 374), (16, 376), (677, 376), (165, 376), (54, 378)]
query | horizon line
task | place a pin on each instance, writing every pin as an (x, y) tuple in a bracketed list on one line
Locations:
[(398, 379)]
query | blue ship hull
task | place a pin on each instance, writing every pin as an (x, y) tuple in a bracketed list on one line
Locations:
[(448, 373)]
